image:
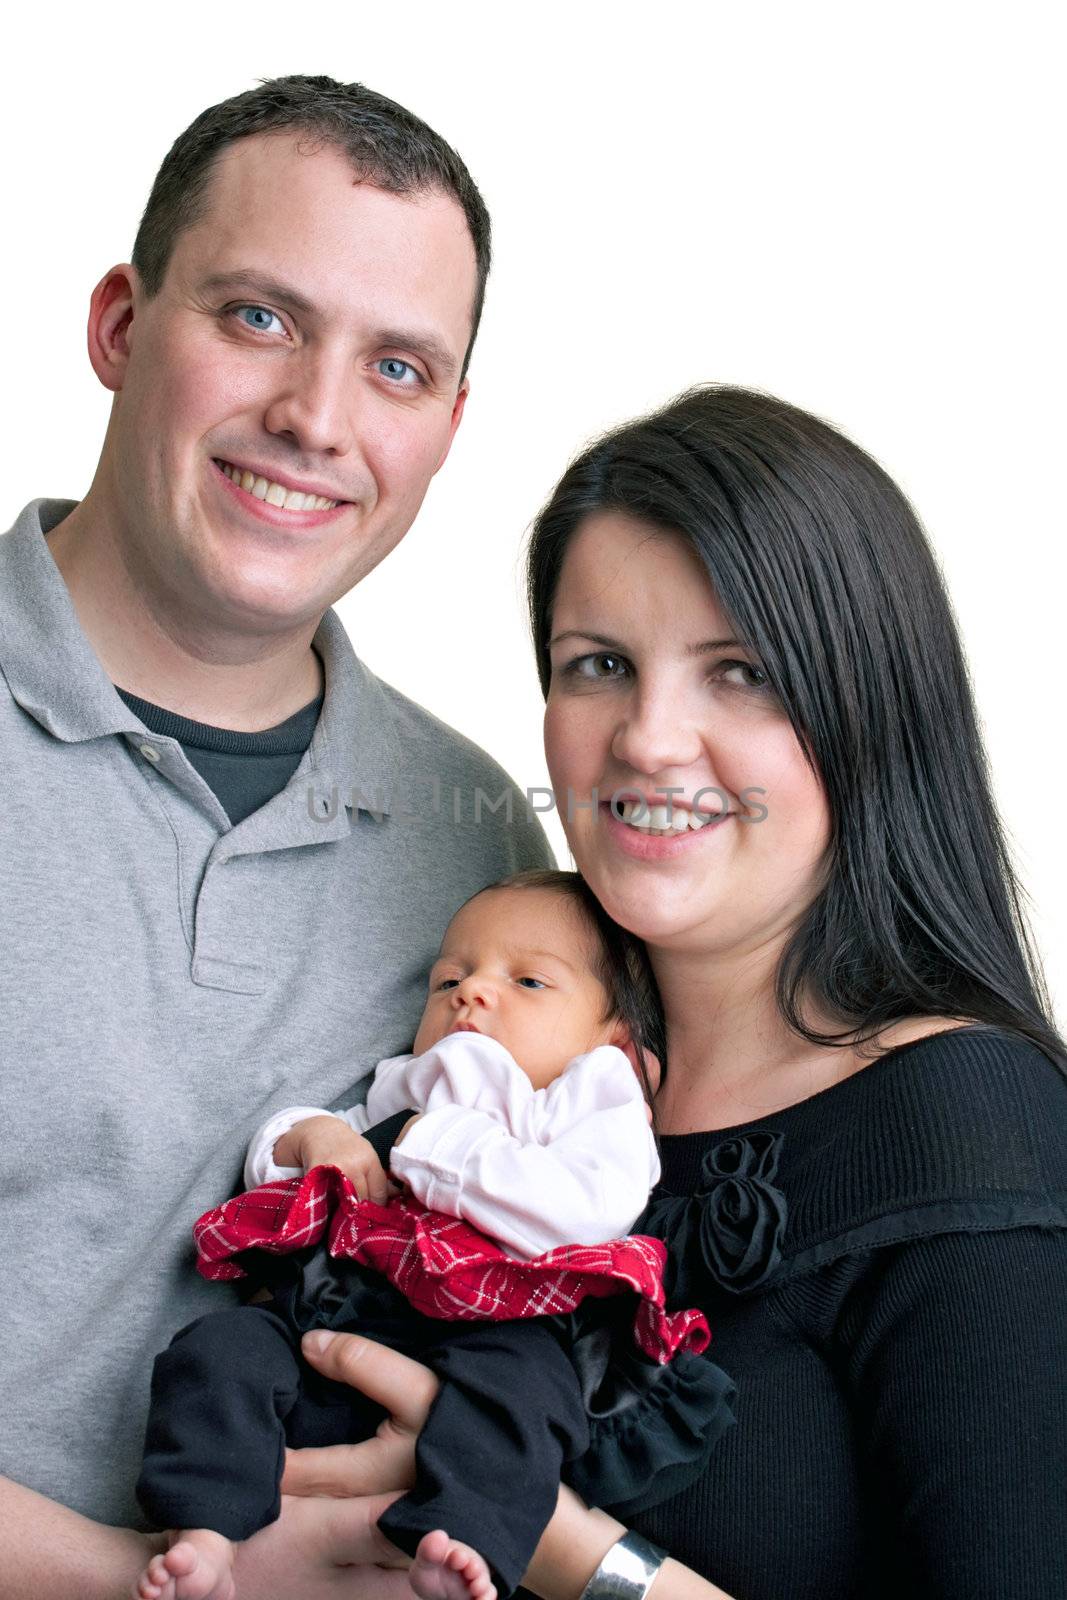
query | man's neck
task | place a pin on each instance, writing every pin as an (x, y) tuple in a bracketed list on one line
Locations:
[(224, 678)]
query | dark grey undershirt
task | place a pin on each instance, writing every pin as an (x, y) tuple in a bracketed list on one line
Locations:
[(245, 770)]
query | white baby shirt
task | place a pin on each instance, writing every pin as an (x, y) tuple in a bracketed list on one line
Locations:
[(572, 1163)]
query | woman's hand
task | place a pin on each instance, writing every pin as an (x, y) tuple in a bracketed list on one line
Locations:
[(332, 1498), (387, 1462), (570, 1550), (323, 1549), (576, 1538)]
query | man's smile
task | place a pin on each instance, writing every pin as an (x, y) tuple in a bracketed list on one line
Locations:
[(281, 505), (277, 492)]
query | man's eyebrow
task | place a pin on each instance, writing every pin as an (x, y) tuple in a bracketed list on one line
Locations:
[(256, 283), (424, 345), (702, 649), (432, 351)]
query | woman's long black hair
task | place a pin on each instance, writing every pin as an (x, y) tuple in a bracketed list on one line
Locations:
[(823, 568)]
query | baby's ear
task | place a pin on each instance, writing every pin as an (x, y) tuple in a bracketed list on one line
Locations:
[(623, 1038)]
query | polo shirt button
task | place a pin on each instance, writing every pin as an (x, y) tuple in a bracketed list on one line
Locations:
[(149, 752)]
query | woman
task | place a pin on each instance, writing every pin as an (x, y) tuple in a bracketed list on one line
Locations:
[(738, 622)]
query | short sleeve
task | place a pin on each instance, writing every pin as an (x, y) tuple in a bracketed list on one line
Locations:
[(954, 1355)]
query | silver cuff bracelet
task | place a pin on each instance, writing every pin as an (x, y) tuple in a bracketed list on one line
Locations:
[(627, 1571)]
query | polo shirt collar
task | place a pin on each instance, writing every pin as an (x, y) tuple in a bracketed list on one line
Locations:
[(55, 675)]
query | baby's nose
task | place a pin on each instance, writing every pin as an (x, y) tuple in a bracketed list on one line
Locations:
[(475, 989)]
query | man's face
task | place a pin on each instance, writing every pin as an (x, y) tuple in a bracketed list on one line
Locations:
[(309, 334)]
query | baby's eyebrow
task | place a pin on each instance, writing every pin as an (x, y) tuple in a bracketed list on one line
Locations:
[(521, 955)]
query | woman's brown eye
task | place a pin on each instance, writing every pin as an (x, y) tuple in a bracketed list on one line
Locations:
[(753, 677)]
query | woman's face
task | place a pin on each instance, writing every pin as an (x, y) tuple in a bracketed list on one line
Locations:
[(651, 696)]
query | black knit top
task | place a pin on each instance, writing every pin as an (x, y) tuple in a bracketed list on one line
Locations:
[(884, 1266)]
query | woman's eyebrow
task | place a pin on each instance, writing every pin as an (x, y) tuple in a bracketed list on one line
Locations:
[(580, 633), (703, 649), (714, 644)]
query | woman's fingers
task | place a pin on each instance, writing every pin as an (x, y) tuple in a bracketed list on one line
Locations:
[(314, 1549), (373, 1467), (404, 1387), (387, 1462), (353, 1537)]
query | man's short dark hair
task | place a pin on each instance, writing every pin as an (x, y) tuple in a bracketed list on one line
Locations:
[(386, 144)]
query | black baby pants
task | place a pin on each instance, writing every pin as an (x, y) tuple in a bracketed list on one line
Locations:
[(232, 1391)]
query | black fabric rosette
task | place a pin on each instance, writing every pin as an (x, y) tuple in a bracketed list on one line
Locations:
[(727, 1237)]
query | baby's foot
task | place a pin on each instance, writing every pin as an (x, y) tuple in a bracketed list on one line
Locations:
[(444, 1569), (198, 1566)]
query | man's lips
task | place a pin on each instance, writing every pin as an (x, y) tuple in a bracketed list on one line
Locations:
[(244, 469), (287, 517)]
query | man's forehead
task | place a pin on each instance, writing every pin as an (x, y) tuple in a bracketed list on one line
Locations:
[(284, 215), (268, 175)]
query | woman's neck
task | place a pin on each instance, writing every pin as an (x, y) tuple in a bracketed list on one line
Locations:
[(732, 1056)]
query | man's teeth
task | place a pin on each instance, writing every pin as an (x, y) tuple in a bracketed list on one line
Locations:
[(274, 493), (663, 820)]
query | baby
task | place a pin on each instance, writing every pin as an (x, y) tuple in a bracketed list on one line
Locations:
[(518, 1112)]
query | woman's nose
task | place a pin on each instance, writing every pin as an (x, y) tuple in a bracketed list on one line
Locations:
[(655, 733)]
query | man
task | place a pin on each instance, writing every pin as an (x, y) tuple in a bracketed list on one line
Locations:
[(228, 850)]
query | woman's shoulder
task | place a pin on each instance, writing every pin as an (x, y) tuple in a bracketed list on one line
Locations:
[(961, 1129), (986, 1079)]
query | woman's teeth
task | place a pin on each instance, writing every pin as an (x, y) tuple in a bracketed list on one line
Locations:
[(664, 820), (274, 493)]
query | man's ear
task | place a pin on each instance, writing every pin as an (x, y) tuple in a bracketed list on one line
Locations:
[(110, 323), (457, 417)]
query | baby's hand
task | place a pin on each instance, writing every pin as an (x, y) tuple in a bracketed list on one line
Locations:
[(329, 1142)]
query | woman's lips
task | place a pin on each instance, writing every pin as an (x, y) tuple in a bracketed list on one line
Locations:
[(656, 847)]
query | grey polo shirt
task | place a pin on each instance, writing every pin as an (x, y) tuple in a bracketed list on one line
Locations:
[(170, 980)]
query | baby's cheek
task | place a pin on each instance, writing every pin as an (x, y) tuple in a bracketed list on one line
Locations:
[(431, 1029)]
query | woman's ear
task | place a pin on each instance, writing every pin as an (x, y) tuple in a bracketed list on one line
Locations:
[(110, 320)]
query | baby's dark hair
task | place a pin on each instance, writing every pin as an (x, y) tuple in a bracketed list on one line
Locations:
[(622, 965)]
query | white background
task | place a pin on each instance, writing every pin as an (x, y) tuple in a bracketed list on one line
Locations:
[(853, 206)]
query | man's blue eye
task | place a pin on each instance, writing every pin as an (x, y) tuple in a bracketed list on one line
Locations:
[(258, 317), (399, 372)]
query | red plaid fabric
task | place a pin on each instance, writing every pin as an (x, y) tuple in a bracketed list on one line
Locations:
[(443, 1266)]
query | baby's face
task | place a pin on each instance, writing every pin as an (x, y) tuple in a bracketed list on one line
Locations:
[(518, 966)]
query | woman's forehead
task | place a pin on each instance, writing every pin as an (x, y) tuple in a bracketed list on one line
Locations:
[(619, 570)]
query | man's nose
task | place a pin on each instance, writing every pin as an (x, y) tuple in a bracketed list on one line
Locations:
[(315, 404), (656, 732)]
